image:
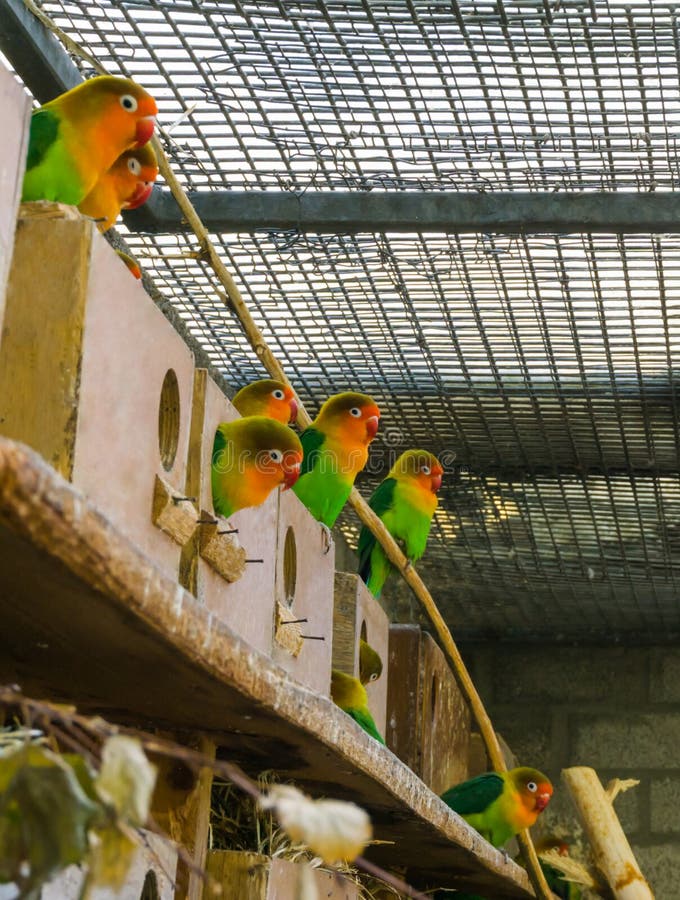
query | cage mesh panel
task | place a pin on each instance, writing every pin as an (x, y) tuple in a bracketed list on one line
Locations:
[(541, 368)]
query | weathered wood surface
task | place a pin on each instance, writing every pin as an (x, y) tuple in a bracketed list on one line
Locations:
[(428, 720), (252, 876), (15, 111), (86, 617)]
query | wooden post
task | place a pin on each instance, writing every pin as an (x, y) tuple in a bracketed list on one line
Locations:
[(611, 850), (181, 806)]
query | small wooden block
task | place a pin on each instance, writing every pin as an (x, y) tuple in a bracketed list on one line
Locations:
[(252, 876), (428, 722), (356, 612), (226, 556), (287, 633), (305, 563), (173, 516), (15, 112)]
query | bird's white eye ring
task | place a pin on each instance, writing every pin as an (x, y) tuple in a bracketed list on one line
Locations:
[(129, 103), (532, 786), (276, 456), (278, 394), (134, 166), (374, 677), (356, 412), (425, 470)]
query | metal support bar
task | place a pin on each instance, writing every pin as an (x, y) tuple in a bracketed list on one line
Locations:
[(452, 212), (38, 57)]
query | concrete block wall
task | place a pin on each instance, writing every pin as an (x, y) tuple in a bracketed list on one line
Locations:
[(616, 709)]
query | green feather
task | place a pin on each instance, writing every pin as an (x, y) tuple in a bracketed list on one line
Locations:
[(312, 441), (476, 795), (43, 134), (381, 500), (365, 719)]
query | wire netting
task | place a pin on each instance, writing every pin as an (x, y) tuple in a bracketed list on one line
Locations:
[(541, 367)]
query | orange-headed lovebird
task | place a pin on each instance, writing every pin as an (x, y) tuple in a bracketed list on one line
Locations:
[(336, 450), (77, 137), (252, 457), (499, 805), (370, 664), (350, 695), (126, 185), (405, 501), (267, 397)]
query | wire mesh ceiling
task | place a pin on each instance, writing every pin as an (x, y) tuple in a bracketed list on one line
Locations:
[(543, 363)]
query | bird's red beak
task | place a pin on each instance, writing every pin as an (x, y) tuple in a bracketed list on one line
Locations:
[(141, 194), (542, 801), (436, 482), (144, 130), (372, 423), (291, 475), (293, 410)]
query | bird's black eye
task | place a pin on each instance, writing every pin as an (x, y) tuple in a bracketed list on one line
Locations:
[(425, 470), (374, 677), (276, 456), (278, 394), (134, 166), (356, 412), (128, 102), (532, 786)]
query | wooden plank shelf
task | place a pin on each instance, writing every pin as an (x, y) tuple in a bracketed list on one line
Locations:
[(86, 617)]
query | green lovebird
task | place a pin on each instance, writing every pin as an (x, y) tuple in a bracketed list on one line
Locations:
[(251, 458), (336, 450), (405, 501), (350, 695), (499, 805), (77, 137)]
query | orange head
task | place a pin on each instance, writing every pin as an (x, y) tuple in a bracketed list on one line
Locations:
[(534, 790), (119, 110), (138, 169), (349, 417), (421, 467), (268, 397)]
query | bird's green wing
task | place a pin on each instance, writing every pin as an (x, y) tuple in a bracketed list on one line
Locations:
[(381, 500), (365, 719), (44, 131), (312, 441), (475, 795), (219, 444)]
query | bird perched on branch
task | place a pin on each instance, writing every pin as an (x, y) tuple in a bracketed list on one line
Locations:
[(251, 458), (78, 136), (127, 184), (405, 502), (336, 450), (500, 804), (350, 695), (267, 397)]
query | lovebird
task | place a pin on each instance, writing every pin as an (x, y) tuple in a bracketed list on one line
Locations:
[(126, 185), (350, 695), (77, 137), (405, 501), (251, 457), (499, 805), (336, 450), (267, 397), (370, 664)]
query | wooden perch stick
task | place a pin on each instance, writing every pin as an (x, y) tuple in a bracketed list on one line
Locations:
[(611, 850)]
